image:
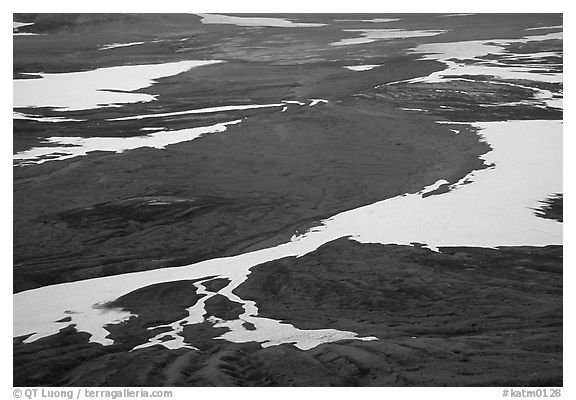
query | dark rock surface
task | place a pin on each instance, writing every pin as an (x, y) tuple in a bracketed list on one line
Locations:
[(552, 208), (461, 317)]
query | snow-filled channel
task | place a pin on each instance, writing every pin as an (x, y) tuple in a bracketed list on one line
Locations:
[(495, 209), (101, 87), (63, 148)]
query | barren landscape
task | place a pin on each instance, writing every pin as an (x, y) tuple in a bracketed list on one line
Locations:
[(288, 200)]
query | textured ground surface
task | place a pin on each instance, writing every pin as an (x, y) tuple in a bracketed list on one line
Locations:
[(464, 316)]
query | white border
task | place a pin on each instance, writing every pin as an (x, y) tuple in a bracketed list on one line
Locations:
[(302, 6)]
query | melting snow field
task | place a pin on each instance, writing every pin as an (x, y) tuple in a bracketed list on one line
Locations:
[(494, 210), (97, 88), (255, 21), (118, 45), (473, 52), (17, 25), (451, 54), (373, 20), (359, 68), (372, 35), (62, 148), (38, 118), (491, 207), (464, 50), (80, 146), (82, 301), (200, 111), (488, 208)]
